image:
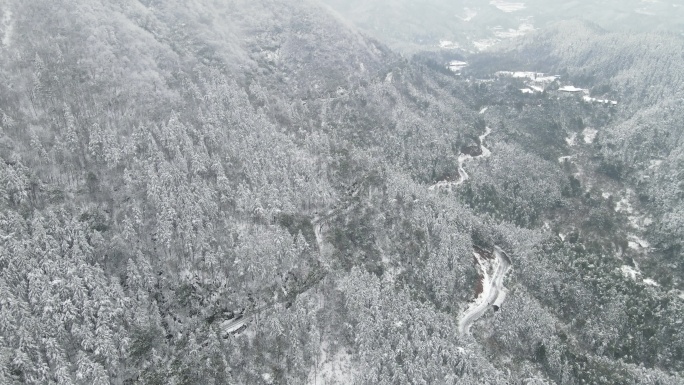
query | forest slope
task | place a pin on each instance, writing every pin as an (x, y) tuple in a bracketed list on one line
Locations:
[(165, 167)]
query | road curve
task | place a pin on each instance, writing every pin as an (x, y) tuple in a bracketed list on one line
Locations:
[(491, 295)]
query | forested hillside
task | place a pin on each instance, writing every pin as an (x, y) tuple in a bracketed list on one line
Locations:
[(640, 148), (246, 192)]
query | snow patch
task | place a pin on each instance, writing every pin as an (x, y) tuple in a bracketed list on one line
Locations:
[(635, 274), (506, 6), (638, 243), (485, 151), (630, 272), (483, 44), (655, 163), (571, 140), (389, 77), (448, 44), (511, 33), (273, 56), (526, 91), (563, 159), (7, 27), (469, 14), (589, 135), (589, 99), (483, 110), (624, 206), (571, 89)]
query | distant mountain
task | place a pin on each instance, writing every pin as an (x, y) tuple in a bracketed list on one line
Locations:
[(472, 26)]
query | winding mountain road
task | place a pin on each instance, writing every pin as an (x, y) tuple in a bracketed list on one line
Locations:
[(493, 292)]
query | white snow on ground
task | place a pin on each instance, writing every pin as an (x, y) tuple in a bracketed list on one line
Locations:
[(483, 110), (7, 27), (571, 89), (563, 159), (273, 56), (511, 33), (447, 44), (570, 140), (469, 14), (483, 44), (630, 272), (638, 243), (485, 151), (335, 370), (520, 74), (536, 88), (561, 236), (635, 274), (636, 219), (589, 135), (389, 77), (484, 267), (526, 91), (506, 6), (655, 163), (624, 206), (589, 99), (681, 294)]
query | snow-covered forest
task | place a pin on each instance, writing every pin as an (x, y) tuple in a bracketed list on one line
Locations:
[(270, 192)]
